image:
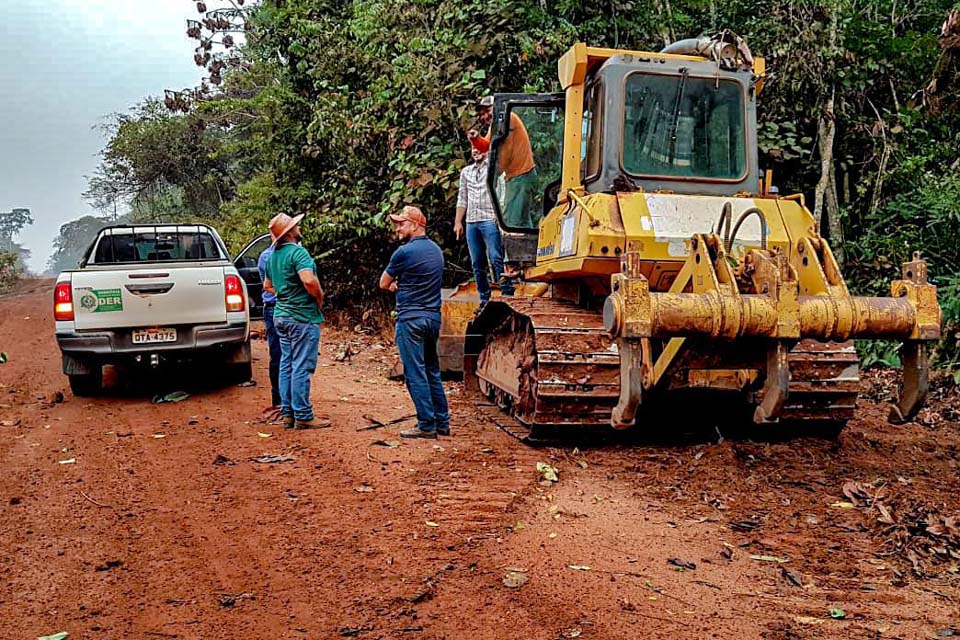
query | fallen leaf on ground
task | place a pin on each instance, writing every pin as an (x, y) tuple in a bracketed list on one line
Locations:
[(176, 396), (841, 504), (70, 461), (515, 579), (364, 488), (578, 567), (837, 613), (431, 523), (264, 435), (770, 559), (272, 459), (391, 444), (572, 632), (57, 636), (3, 357), (548, 472), (9, 423), (682, 564), (159, 436), (791, 576)]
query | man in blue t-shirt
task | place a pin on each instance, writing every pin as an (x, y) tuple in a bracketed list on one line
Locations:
[(291, 275), (273, 340), (415, 273)]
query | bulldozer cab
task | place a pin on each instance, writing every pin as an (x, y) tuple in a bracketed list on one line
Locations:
[(627, 121)]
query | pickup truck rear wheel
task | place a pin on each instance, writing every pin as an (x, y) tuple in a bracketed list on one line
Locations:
[(242, 372), (87, 384)]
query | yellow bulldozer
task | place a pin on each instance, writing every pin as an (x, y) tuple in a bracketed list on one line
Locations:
[(656, 258)]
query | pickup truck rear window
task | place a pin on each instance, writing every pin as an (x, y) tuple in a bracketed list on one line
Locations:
[(156, 246)]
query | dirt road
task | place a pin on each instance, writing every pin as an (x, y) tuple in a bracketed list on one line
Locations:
[(164, 526)]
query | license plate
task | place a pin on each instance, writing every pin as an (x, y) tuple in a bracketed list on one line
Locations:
[(152, 336)]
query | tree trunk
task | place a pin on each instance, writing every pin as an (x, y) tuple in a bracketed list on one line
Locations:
[(826, 208)]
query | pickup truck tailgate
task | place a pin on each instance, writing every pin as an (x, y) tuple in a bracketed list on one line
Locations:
[(156, 297)]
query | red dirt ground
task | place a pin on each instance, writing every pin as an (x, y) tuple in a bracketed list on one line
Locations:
[(144, 536)]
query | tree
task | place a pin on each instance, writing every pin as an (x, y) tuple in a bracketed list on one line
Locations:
[(73, 240), (13, 256)]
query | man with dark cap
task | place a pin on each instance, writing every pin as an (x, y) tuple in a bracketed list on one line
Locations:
[(291, 276), (515, 160), (415, 274)]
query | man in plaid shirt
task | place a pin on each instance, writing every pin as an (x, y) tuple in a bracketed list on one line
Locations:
[(483, 235)]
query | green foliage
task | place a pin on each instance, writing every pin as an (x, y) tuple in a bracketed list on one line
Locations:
[(13, 257), (11, 270), (345, 110)]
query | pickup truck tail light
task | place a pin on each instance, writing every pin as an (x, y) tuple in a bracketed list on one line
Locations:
[(234, 292), (63, 302)]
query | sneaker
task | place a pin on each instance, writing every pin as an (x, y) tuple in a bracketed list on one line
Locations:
[(416, 432), (313, 423), (443, 432), (288, 422)]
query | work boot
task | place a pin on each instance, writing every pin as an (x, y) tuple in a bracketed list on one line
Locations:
[(288, 422), (417, 432), (313, 423), (443, 431)]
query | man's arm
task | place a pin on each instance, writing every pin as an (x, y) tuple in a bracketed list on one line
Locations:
[(268, 286), (387, 283), (479, 142), (462, 201), (458, 222), (311, 284)]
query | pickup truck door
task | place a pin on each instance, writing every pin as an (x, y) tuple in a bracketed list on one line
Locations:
[(246, 264)]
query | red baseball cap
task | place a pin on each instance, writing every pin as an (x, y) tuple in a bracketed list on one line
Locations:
[(412, 214)]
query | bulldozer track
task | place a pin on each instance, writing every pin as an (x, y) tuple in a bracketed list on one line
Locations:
[(551, 371)]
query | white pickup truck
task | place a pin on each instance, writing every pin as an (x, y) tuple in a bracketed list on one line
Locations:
[(148, 295)]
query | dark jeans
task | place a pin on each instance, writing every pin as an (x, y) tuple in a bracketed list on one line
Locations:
[(299, 344), (273, 341), (483, 240), (417, 343)]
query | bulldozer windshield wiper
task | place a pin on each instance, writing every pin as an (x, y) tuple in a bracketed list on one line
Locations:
[(676, 113)]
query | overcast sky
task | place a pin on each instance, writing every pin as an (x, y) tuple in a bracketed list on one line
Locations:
[(64, 66)]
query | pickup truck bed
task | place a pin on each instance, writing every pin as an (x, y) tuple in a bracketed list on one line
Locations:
[(148, 295)]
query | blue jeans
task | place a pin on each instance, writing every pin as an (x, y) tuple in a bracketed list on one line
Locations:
[(299, 344), (273, 342), (417, 343), (483, 241)]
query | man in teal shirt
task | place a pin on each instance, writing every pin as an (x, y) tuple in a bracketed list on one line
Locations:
[(291, 276)]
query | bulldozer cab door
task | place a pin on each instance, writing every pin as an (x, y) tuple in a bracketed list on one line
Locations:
[(526, 156)]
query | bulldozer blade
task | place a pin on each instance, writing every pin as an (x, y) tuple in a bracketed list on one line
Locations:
[(916, 382)]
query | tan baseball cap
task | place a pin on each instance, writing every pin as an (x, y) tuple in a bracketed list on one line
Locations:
[(411, 213)]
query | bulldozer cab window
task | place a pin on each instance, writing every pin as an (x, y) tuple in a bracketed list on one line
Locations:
[(590, 158), (685, 127), (526, 165)]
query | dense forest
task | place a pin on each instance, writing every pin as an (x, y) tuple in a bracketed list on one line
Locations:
[(344, 109)]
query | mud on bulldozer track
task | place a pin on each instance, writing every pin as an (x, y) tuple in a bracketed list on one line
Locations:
[(553, 369)]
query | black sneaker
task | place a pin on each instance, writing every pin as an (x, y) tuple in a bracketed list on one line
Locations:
[(443, 431), (416, 432)]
